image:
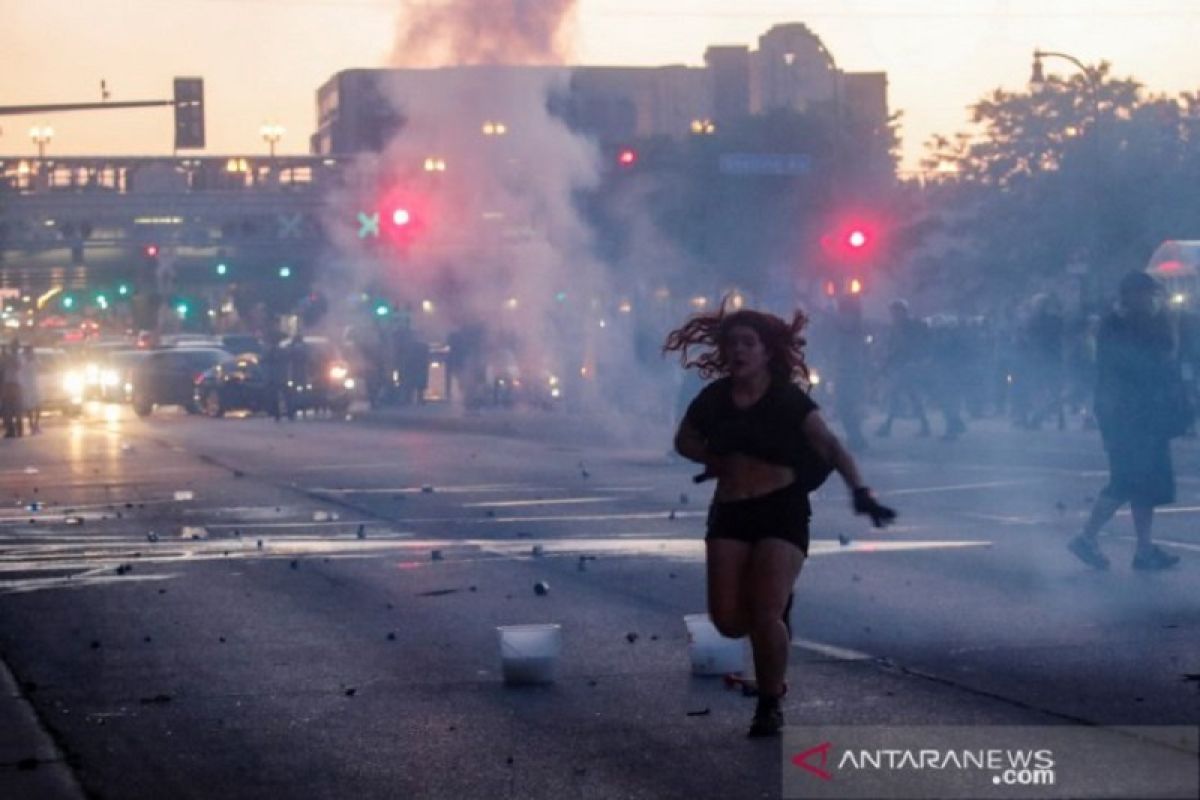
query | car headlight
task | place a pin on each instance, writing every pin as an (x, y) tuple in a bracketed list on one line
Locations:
[(91, 374), (109, 377), (814, 377), (73, 382), (348, 383), (338, 372)]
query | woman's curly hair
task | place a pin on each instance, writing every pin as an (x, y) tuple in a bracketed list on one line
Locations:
[(784, 342)]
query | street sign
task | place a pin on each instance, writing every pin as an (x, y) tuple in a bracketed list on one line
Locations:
[(765, 164)]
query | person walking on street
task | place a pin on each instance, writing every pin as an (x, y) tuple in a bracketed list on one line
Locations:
[(1140, 406), (904, 367), (761, 436), (31, 397), (10, 390)]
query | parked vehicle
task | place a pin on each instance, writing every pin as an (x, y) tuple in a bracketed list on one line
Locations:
[(60, 386), (169, 376), (318, 377), (239, 384)]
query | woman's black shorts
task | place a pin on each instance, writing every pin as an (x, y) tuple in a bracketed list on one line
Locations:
[(782, 514)]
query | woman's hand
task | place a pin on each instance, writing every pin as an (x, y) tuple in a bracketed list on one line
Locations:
[(865, 503)]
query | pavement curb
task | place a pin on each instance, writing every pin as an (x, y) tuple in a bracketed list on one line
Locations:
[(31, 765)]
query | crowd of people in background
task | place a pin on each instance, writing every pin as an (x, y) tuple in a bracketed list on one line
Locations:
[(1036, 366), (20, 403)]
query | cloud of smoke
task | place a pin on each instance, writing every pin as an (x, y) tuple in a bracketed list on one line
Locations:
[(467, 32)]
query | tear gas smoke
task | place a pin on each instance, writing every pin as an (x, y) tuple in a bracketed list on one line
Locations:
[(493, 243)]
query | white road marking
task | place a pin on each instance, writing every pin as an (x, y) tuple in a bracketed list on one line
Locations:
[(959, 487), (309, 524), (438, 489), (1167, 542), (831, 651), (565, 501)]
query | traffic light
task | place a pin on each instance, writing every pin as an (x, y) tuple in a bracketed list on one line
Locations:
[(123, 289), (382, 309), (182, 308), (222, 269), (189, 113), (285, 272), (150, 251), (627, 157), (68, 302), (853, 241)]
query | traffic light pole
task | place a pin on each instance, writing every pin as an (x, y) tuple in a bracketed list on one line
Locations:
[(46, 109)]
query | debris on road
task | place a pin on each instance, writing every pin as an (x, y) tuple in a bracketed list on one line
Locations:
[(124, 569), (702, 713), (185, 494), (843, 539), (391, 637), (295, 564), (427, 489), (194, 532), (320, 516), (437, 592), (351, 692), (537, 551), (435, 555), (73, 520), (631, 637), (541, 588)]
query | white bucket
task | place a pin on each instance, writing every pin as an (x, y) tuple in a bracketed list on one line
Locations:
[(710, 652), (529, 653)]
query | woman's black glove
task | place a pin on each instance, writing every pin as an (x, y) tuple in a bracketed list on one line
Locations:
[(865, 503)]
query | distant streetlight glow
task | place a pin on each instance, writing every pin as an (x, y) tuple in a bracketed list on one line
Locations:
[(41, 136), (271, 134)]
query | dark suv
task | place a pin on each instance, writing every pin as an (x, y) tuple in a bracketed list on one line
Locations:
[(168, 377)]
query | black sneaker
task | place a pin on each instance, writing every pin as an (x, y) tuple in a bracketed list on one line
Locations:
[(1154, 558), (1086, 550), (768, 718)]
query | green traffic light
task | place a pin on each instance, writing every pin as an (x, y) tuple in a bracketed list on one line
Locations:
[(182, 308), (285, 272), (68, 302), (222, 269), (122, 290), (381, 310)]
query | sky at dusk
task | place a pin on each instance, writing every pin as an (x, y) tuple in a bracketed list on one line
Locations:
[(262, 60)]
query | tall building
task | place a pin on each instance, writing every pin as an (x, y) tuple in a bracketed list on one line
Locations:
[(360, 110)]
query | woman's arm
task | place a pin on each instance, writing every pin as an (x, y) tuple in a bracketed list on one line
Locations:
[(692, 445), (830, 448)]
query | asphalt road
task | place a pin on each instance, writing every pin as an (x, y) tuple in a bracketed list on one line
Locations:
[(245, 609)]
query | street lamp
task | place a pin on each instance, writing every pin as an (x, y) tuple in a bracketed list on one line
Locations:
[(41, 136), (271, 134), (1037, 78)]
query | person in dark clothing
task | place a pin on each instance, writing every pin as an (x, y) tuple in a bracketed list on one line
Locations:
[(850, 369), (1136, 368), (761, 436), (904, 367), (11, 406), (275, 371)]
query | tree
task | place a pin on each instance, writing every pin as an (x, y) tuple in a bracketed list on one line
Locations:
[(1093, 172)]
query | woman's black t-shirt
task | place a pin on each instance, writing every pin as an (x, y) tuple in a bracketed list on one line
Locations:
[(772, 429)]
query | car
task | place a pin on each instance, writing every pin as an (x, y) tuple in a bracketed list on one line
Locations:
[(61, 387), (239, 384), (99, 366), (318, 377), (168, 376)]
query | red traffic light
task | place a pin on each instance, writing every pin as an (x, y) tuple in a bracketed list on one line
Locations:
[(852, 241), (627, 157), (151, 251)]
